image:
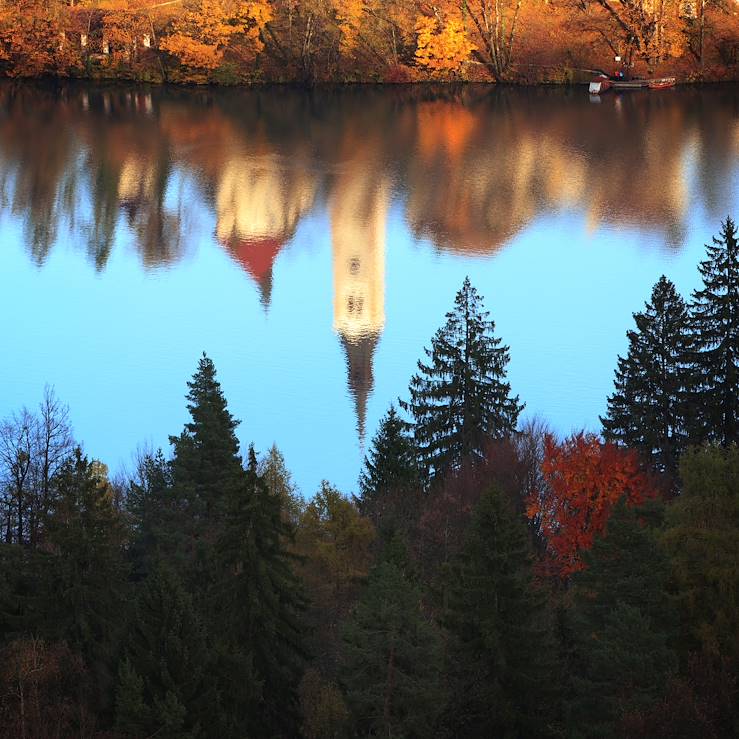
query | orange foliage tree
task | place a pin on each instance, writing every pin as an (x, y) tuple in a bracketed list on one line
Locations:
[(33, 38), (442, 44), (124, 30), (349, 15), (584, 478), (201, 37)]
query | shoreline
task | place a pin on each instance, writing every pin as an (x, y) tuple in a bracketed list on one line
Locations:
[(329, 85)]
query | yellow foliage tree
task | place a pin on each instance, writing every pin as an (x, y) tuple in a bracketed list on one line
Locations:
[(349, 15), (33, 38), (259, 14), (442, 45), (192, 53), (204, 33), (335, 542), (124, 30)]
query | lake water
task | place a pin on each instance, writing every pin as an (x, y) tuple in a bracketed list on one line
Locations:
[(311, 243)]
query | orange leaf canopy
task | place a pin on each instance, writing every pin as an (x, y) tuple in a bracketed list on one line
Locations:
[(584, 479)]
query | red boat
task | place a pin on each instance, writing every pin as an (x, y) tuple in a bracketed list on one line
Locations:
[(662, 84), (599, 85), (602, 84)]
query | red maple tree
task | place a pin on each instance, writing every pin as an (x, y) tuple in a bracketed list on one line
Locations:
[(584, 478)]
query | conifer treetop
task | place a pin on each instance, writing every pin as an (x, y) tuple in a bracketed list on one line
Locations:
[(391, 460), (460, 397), (648, 409), (205, 399), (715, 323)]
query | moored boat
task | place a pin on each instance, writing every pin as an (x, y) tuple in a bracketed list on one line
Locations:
[(599, 84), (629, 84), (662, 84), (602, 84)]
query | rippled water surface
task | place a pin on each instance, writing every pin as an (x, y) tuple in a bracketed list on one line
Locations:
[(311, 243)]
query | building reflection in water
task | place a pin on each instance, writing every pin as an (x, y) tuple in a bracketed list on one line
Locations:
[(258, 206), (358, 214), (470, 170)]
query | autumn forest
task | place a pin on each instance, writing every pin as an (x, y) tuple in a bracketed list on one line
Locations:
[(308, 41), (490, 553)]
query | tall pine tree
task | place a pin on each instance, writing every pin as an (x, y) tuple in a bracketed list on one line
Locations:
[(256, 605), (206, 462), (460, 398), (393, 662), (621, 626), (238, 568), (390, 481), (715, 326), (702, 539), (648, 408), (503, 655), (164, 688), (206, 472), (87, 597)]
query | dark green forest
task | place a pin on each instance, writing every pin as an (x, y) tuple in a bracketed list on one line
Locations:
[(488, 579)]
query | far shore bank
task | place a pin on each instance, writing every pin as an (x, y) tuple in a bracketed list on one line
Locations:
[(345, 84)]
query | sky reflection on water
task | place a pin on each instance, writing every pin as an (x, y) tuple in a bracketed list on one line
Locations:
[(312, 242)]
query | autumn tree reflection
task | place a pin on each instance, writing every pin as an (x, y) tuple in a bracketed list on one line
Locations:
[(472, 168)]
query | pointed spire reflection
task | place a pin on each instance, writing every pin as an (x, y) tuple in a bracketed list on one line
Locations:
[(259, 203), (360, 353), (358, 215), (257, 256)]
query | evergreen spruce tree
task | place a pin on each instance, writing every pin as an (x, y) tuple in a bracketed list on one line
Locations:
[(156, 525), (622, 626), (702, 539), (25, 581), (460, 398), (503, 660), (206, 472), (256, 605), (87, 596), (715, 327), (206, 463), (393, 662), (648, 409), (164, 688), (390, 481), (629, 664)]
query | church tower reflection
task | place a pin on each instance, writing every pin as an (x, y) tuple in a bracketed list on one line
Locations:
[(358, 214), (258, 206)]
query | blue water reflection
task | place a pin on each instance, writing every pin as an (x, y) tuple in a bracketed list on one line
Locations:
[(311, 243)]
